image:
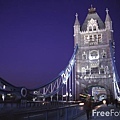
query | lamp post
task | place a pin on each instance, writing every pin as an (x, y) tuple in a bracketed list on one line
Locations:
[(3, 96)]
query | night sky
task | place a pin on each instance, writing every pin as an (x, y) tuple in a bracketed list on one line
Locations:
[(36, 37)]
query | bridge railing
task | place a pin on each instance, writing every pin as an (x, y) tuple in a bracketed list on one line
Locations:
[(62, 110), (30, 104)]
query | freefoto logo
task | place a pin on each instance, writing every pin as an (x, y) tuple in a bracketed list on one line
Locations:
[(111, 112)]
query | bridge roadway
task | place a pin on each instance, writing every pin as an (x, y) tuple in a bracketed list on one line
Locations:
[(41, 111)]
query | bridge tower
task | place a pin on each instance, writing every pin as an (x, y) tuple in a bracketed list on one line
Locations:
[(93, 60)]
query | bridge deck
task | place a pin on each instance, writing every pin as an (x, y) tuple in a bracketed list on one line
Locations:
[(103, 112)]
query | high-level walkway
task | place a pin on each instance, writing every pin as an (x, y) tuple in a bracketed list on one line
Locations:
[(103, 112)]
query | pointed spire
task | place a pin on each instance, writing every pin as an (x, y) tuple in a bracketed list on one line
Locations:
[(107, 10), (108, 21), (76, 20), (76, 15), (107, 15)]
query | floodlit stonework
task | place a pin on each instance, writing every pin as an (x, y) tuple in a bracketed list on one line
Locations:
[(93, 61)]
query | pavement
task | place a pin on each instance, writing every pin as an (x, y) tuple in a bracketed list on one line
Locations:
[(103, 112)]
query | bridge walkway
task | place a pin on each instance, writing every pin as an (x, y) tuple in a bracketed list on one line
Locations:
[(103, 112)]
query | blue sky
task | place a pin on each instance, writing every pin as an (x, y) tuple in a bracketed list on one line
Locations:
[(36, 37)]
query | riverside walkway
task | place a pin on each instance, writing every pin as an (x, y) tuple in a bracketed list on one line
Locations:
[(103, 112)]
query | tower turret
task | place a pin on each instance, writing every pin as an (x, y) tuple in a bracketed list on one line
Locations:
[(108, 21), (76, 29)]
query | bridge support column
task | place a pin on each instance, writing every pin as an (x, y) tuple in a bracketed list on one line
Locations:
[(62, 93), (73, 84), (67, 91), (70, 88)]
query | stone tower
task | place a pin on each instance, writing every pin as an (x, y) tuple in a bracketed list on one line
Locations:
[(93, 61)]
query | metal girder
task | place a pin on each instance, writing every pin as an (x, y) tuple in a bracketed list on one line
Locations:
[(56, 85)]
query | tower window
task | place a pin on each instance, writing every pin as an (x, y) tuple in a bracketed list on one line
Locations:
[(84, 56), (87, 37), (95, 37), (87, 72), (94, 28), (106, 70), (99, 37), (102, 71), (90, 28), (93, 54), (94, 70), (103, 54), (92, 25), (90, 37), (83, 70)]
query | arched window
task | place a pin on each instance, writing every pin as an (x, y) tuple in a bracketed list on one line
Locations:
[(106, 70), (102, 71), (99, 37), (94, 28), (83, 70), (92, 25), (90, 28), (104, 55), (84, 56), (95, 37)]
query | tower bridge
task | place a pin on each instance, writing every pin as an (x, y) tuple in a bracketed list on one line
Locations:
[(91, 69)]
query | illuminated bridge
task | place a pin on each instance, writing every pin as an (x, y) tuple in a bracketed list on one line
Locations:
[(60, 89), (91, 70)]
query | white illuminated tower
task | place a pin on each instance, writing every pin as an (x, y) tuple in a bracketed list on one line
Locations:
[(93, 61)]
